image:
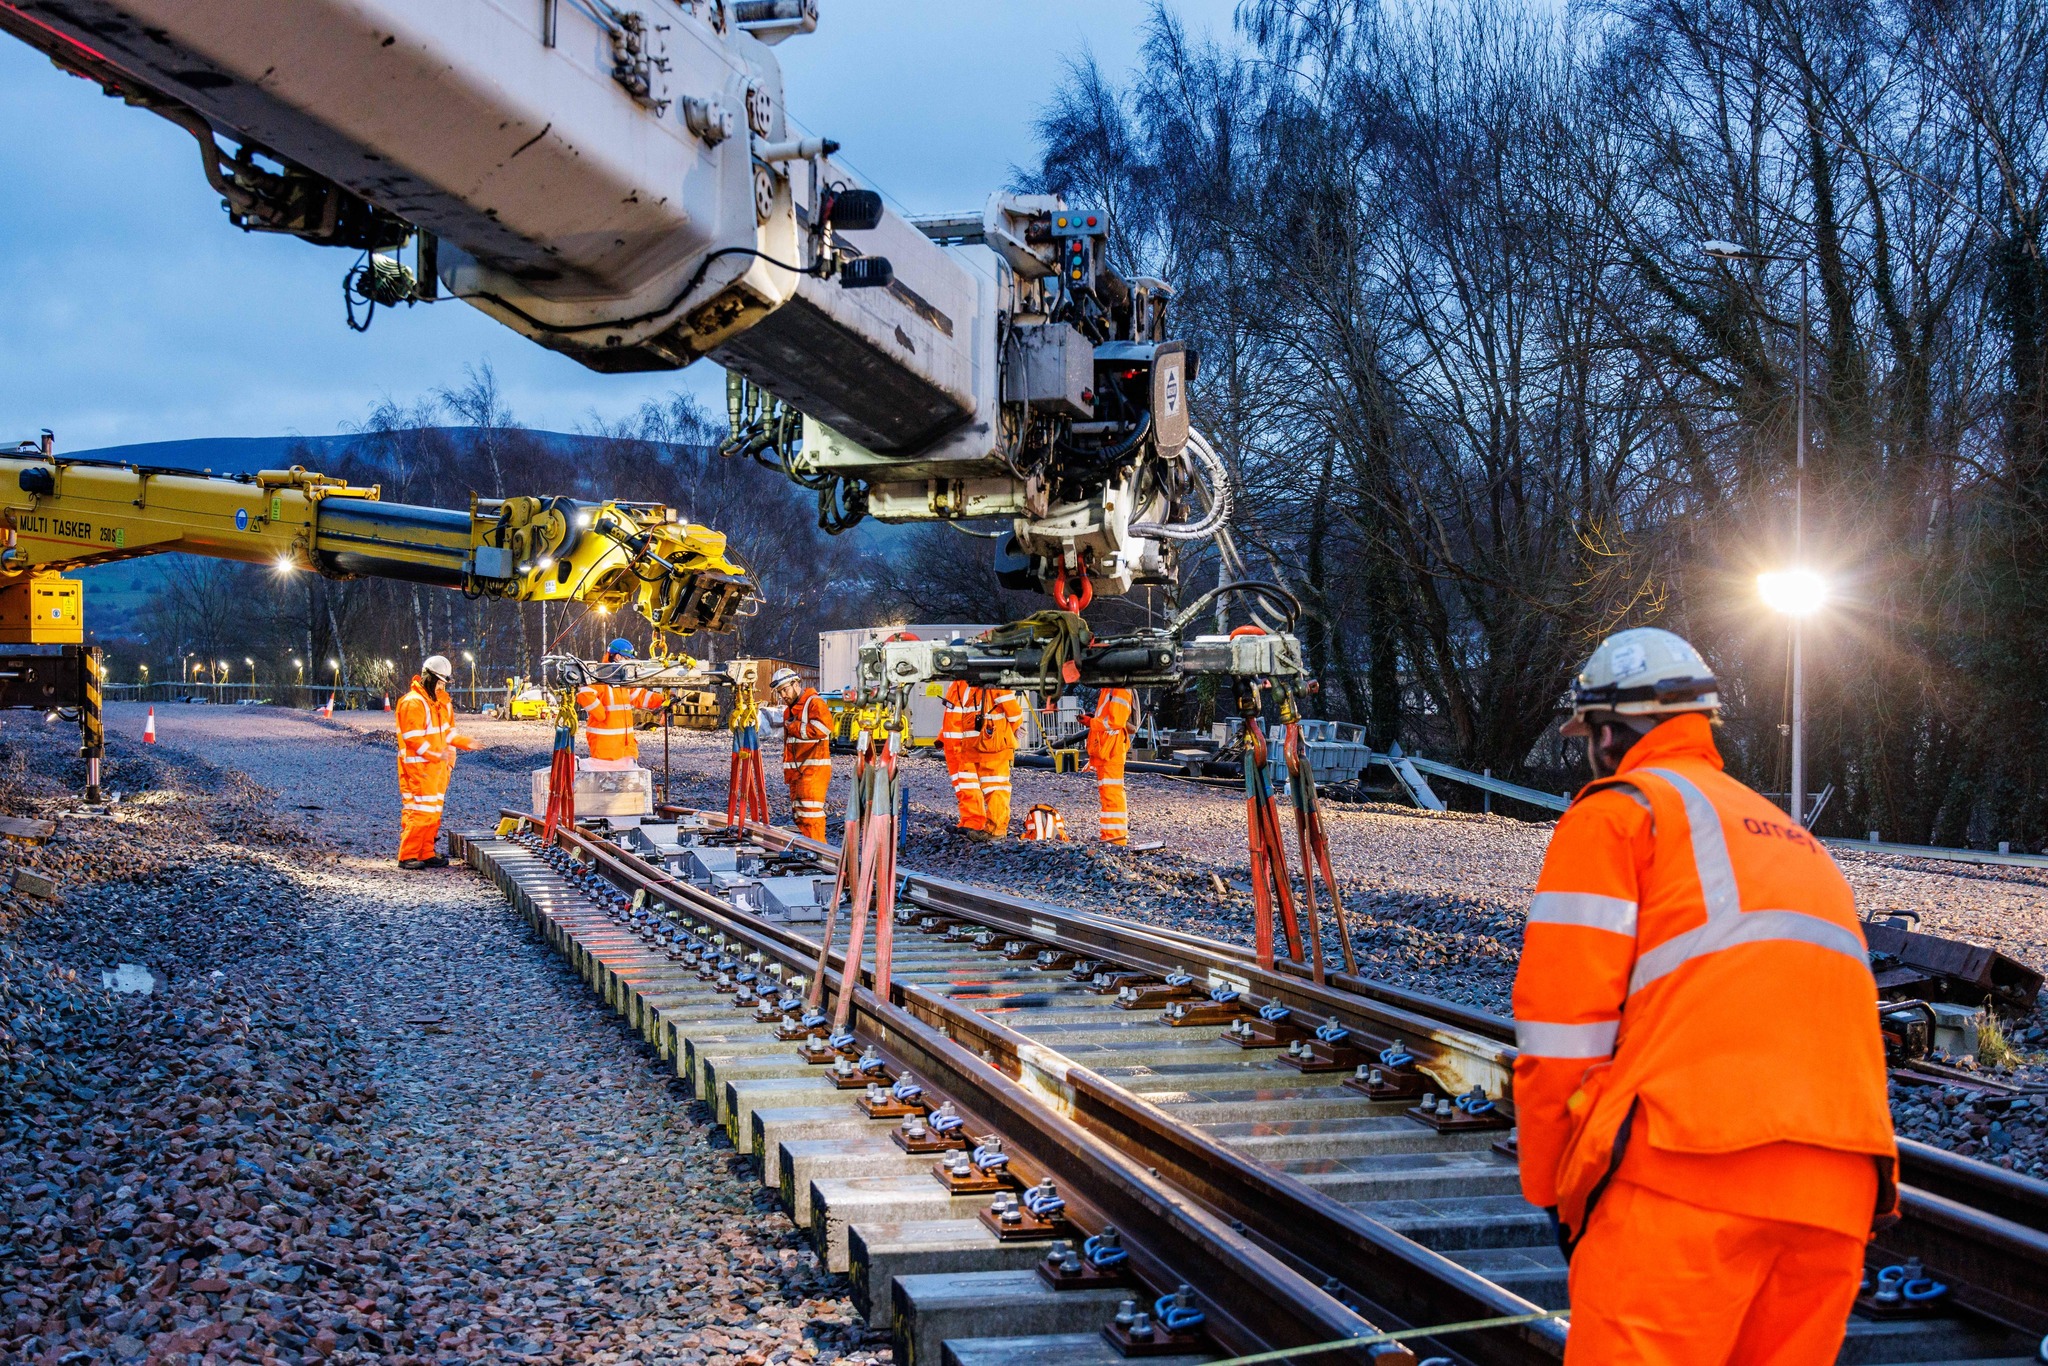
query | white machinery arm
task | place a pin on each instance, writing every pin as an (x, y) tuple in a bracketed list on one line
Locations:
[(617, 180)]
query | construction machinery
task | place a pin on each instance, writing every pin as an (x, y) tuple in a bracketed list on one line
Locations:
[(620, 181), (61, 514)]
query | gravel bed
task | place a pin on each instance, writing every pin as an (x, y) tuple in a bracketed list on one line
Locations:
[(1436, 905), (364, 1115), (2006, 1130)]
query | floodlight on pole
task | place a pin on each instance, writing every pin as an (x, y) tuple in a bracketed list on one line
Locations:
[(1793, 592), (1798, 586)]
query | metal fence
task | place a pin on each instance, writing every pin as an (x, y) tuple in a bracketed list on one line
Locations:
[(301, 697)]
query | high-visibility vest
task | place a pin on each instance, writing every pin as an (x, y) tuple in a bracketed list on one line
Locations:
[(1692, 975), (427, 734), (608, 718), (1043, 822), (1112, 722), (422, 740), (999, 717), (806, 734), (960, 721)]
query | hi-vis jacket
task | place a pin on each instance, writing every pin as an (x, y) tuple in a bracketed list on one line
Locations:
[(1692, 972), (1113, 723), (427, 737), (981, 720), (806, 735), (608, 718)]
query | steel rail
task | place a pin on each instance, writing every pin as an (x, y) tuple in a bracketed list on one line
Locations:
[(1158, 1181), (1982, 1225), (1255, 1300)]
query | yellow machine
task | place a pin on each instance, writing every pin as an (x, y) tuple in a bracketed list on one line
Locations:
[(61, 514), (525, 701)]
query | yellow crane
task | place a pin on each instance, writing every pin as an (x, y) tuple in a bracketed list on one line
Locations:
[(61, 514)]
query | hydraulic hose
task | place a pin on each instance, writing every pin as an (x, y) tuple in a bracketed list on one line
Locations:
[(1219, 500), (1271, 592)]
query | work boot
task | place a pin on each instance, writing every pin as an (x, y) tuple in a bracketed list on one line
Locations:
[(976, 833), (437, 861), (412, 864)]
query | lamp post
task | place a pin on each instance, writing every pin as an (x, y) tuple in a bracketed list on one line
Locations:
[(252, 676), (1797, 592), (469, 658)]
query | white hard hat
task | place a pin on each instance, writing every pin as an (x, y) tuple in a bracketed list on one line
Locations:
[(784, 675), (437, 665), (1641, 672)]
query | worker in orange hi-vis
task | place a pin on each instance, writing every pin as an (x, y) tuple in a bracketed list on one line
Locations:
[(958, 724), (608, 714), (427, 743), (1109, 743), (995, 720), (806, 751), (1700, 1091)]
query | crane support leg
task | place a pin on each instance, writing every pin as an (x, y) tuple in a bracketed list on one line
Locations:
[(68, 681)]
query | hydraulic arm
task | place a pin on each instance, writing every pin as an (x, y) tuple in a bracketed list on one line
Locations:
[(619, 181), (65, 514)]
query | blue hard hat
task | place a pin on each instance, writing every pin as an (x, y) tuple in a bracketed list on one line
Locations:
[(621, 646)]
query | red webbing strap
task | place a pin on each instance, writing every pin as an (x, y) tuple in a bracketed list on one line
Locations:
[(561, 811), (842, 877), (1271, 888), (746, 793), (884, 838)]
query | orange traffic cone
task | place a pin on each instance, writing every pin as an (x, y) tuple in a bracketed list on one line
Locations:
[(328, 710), (387, 701), (149, 728)]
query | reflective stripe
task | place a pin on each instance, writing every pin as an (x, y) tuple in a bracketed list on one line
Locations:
[(1709, 846), (1728, 925), (1538, 1038), (814, 763), (607, 730), (1588, 909), (413, 734), (1745, 927), (1109, 782)]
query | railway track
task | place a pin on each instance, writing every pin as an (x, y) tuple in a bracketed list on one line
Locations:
[(1297, 1208)]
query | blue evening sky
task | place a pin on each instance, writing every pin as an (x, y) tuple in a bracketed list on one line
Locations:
[(133, 312)]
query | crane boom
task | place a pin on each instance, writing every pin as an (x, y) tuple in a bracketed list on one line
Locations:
[(63, 514), (619, 180)]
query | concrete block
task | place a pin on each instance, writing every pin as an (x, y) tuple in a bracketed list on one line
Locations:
[(841, 1200), (774, 1127), (930, 1309), (803, 1160), (877, 1254), (1068, 1349), (737, 1100)]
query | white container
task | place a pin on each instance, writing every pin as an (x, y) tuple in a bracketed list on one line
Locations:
[(627, 792)]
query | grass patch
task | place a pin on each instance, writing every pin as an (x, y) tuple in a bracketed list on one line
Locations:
[(1993, 1048)]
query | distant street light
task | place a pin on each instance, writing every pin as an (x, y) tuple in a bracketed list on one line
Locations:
[(1797, 592)]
